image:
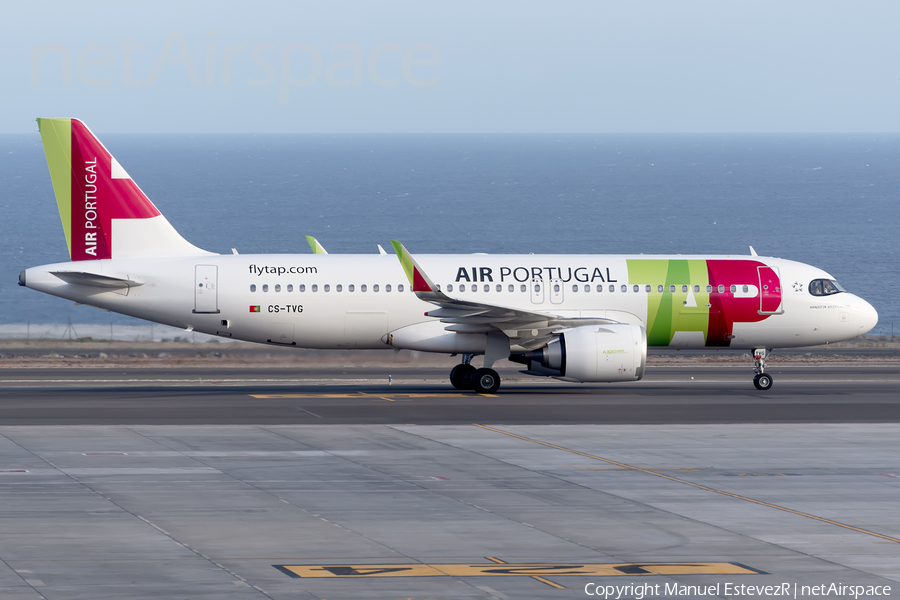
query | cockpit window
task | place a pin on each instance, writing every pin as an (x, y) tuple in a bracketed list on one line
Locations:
[(825, 287)]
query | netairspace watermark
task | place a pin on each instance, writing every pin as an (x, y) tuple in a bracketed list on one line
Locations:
[(784, 590), (347, 70)]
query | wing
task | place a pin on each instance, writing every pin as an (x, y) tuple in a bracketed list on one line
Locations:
[(528, 329)]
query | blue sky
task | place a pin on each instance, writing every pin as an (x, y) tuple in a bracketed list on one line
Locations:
[(417, 67)]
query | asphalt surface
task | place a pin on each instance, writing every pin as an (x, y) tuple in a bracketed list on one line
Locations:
[(685, 394)]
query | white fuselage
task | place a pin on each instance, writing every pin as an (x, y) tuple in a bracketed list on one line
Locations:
[(354, 301)]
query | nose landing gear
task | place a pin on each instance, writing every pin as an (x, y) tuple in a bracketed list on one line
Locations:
[(762, 380)]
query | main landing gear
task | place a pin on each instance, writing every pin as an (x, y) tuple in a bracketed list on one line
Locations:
[(466, 377), (762, 380)]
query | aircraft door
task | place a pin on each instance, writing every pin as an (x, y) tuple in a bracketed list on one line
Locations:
[(769, 291), (537, 291), (556, 291), (280, 333), (206, 295)]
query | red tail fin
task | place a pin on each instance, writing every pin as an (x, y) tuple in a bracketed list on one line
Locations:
[(104, 213)]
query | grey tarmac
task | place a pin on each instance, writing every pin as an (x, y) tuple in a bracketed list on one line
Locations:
[(695, 393), (331, 484)]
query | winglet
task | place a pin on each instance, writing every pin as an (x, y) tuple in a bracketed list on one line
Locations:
[(753, 252), (417, 278), (315, 245)]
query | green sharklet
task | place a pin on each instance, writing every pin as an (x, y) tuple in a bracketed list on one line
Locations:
[(405, 261), (668, 312), (317, 248)]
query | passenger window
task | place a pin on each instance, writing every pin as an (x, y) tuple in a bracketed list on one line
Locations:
[(474, 288), (599, 287), (351, 288), (556, 287), (647, 288), (511, 288), (302, 287), (659, 289), (252, 287), (624, 288), (375, 287), (587, 287), (315, 287), (745, 289), (684, 289), (612, 288), (636, 288), (499, 288), (672, 289), (537, 287), (487, 287), (709, 289), (338, 288), (574, 287), (449, 287), (523, 287), (733, 289), (721, 289), (400, 288), (290, 287), (696, 289), (363, 288), (387, 287), (327, 287), (277, 287), (265, 287)]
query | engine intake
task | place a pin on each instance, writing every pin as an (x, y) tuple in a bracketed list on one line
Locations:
[(593, 353)]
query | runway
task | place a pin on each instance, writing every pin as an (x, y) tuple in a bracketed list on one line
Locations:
[(347, 396), (331, 483), (443, 512)]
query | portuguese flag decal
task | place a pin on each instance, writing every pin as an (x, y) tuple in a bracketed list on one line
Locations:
[(254, 308)]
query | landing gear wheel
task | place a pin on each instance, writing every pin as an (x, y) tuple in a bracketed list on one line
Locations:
[(487, 381), (462, 377), (762, 381)]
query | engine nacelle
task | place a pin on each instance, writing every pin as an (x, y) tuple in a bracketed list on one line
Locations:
[(616, 352)]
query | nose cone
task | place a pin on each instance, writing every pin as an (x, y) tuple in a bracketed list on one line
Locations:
[(868, 316)]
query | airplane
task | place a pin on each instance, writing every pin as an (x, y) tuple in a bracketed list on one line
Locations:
[(577, 318)]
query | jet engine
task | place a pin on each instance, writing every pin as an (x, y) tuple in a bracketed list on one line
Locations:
[(615, 352)]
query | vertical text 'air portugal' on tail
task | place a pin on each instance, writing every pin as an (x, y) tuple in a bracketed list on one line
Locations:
[(104, 213)]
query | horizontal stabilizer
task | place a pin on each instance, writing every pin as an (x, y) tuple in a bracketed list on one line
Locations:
[(95, 280)]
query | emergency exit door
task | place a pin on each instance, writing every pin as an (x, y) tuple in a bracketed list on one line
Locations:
[(206, 296), (537, 291), (769, 291)]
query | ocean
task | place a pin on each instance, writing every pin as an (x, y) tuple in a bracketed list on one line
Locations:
[(829, 200)]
